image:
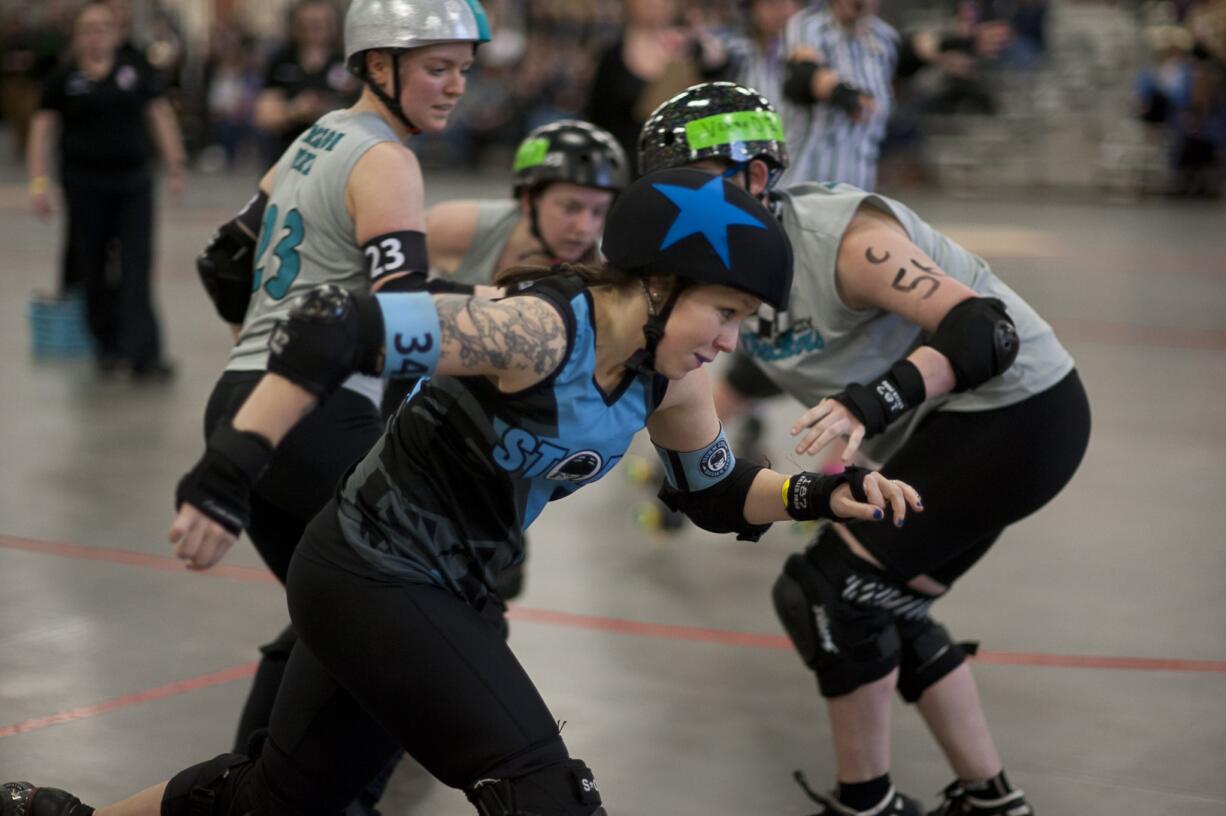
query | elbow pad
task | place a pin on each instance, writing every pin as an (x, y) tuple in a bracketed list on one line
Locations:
[(329, 334), (798, 81), (709, 485), (225, 267), (979, 340)]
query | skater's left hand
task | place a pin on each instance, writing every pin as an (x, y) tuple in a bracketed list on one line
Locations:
[(827, 421), (879, 492)]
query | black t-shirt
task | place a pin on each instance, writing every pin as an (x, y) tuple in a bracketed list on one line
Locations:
[(103, 126), (287, 74)]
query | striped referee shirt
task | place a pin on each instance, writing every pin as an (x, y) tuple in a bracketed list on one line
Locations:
[(757, 67), (824, 143)]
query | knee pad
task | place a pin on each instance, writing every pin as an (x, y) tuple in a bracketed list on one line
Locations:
[(848, 644), (213, 788), (562, 789), (928, 654), (278, 650)]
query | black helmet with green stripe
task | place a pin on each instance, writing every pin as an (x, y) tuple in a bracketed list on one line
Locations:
[(713, 120), (570, 151)]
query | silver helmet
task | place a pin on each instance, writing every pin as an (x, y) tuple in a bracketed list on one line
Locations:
[(401, 24)]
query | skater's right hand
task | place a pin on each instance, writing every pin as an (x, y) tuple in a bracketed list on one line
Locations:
[(199, 540)]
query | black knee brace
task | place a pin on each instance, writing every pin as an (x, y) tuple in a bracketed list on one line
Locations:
[(848, 644), (928, 654), (562, 789)]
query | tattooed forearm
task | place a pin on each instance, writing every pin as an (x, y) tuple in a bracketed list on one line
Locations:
[(873, 259), (520, 334)]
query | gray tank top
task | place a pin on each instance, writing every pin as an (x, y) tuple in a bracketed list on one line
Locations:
[(307, 237), (821, 344), (496, 221)]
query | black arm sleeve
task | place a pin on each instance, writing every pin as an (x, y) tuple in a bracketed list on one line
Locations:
[(719, 508), (798, 81)]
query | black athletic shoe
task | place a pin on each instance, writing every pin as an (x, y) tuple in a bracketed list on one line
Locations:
[(894, 803), (959, 802), (23, 799)]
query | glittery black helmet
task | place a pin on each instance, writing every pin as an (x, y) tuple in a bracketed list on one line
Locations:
[(574, 152), (713, 120), (702, 229)]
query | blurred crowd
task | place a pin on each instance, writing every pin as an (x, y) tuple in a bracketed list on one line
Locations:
[(242, 95)]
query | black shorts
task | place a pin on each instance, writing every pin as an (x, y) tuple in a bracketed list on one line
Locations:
[(978, 472), (306, 467)]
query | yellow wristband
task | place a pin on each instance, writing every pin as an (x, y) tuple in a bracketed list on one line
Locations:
[(39, 185), (786, 484)]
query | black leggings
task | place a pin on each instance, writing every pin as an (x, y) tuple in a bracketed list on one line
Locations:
[(302, 477), (382, 664), (978, 472), (103, 208)]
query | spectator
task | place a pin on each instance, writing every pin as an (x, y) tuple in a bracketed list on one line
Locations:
[(657, 56), (232, 83), (758, 57), (305, 79), (105, 107)]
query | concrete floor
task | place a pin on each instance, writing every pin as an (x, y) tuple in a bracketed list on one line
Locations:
[(1102, 617)]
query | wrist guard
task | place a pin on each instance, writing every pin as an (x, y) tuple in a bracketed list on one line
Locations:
[(798, 81), (846, 98), (807, 495), (330, 334), (225, 268), (885, 399), (220, 484)]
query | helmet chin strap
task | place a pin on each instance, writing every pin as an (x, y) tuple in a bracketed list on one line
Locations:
[(534, 227), (392, 103), (643, 361)]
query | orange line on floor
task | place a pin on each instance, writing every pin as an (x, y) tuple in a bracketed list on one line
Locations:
[(165, 563), (662, 631), (149, 695), (1136, 334)]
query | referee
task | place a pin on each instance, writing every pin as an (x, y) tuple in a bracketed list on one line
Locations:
[(109, 112)]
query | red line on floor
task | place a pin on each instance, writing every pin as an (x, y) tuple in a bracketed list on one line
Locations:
[(149, 695), (759, 641), (662, 631), (1136, 334), (165, 563)]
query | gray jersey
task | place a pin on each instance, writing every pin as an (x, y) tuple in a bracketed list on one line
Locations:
[(307, 237), (496, 220), (820, 344)]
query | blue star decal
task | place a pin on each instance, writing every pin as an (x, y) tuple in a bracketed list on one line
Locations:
[(705, 211)]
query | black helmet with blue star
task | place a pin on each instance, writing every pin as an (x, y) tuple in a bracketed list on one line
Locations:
[(699, 229), (702, 229)]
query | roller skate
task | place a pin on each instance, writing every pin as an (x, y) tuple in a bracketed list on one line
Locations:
[(894, 803), (960, 801), (24, 799), (651, 515)]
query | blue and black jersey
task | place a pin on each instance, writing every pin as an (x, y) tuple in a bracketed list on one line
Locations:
[(463, 468)]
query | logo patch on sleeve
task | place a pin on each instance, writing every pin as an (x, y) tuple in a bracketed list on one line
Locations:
[(715, 460)]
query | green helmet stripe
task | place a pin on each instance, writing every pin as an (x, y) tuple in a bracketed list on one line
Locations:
[(726, 128), (531, 153)]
